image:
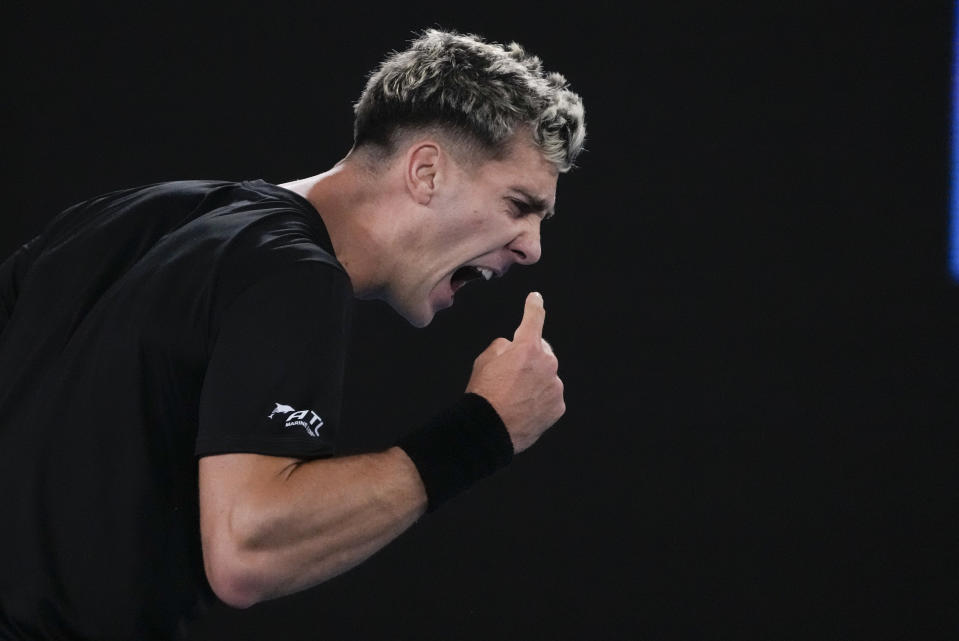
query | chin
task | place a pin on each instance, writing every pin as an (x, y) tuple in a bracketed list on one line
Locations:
[(418, 311), (416, 317), (419, 321)]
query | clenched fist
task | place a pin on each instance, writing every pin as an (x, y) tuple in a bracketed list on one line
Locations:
[(519, 378)]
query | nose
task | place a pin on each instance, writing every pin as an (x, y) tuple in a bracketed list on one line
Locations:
[(526, 247)]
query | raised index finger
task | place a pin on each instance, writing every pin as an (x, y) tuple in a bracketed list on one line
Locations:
[(534, 313)]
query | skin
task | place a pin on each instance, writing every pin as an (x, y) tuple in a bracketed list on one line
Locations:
[(272, 526), (401, 231)]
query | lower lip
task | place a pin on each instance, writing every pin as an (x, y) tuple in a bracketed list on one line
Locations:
[(443, 295)]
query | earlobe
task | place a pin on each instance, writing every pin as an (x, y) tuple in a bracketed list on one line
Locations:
[(421, 171)]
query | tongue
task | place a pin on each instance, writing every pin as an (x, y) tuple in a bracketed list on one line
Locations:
[(462, 276)]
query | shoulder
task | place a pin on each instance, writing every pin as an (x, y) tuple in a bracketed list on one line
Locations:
[(273, 226)]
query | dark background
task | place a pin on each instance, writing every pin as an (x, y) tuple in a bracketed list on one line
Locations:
[(746, 284)]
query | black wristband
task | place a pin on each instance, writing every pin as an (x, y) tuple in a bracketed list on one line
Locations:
[(460, 446)]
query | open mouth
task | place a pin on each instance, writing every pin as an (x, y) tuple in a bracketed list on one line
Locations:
[(469, 273)]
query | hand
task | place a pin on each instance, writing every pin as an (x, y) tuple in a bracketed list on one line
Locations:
[(519, 378)]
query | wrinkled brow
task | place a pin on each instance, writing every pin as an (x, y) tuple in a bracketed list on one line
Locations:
[(537, 203)]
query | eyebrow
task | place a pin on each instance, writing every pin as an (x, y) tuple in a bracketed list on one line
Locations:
[(537, 203)]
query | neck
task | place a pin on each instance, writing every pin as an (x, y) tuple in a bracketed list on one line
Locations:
[(351, 203)]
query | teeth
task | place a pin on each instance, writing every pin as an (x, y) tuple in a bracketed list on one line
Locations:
[(486, 273)]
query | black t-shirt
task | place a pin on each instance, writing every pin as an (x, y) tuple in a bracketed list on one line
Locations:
[(140, 330)]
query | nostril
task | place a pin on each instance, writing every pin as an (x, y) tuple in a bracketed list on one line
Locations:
[(526, 254), (525, 248)]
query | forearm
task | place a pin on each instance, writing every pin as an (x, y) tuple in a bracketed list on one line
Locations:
[(297, 524), (272, 526)]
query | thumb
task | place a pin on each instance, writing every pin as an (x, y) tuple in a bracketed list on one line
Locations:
[(534, 314)]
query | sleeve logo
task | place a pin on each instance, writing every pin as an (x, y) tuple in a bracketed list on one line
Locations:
[(307, 419)]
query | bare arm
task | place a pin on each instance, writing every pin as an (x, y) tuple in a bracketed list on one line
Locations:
[(272, 526)]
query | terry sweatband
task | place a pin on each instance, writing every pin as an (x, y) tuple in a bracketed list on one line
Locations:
[(460, 446)]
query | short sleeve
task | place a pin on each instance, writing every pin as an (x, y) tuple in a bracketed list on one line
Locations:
[(274, 381), (12, 271)]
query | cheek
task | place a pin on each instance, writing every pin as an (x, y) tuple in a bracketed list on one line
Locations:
[(479, 229), (472, 229)]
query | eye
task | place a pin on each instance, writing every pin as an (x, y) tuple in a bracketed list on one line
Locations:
[(521, 207)]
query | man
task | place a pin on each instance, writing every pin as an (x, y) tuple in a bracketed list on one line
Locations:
[(171, 356)]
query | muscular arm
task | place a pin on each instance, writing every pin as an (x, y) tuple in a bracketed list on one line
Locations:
[(272, 526)]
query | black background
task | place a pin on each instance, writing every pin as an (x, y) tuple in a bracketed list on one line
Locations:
[(746, 284)]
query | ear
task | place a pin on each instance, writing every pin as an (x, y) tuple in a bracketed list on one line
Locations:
[(422, 169)]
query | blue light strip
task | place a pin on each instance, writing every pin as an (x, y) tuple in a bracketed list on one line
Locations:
[(954, 199)]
